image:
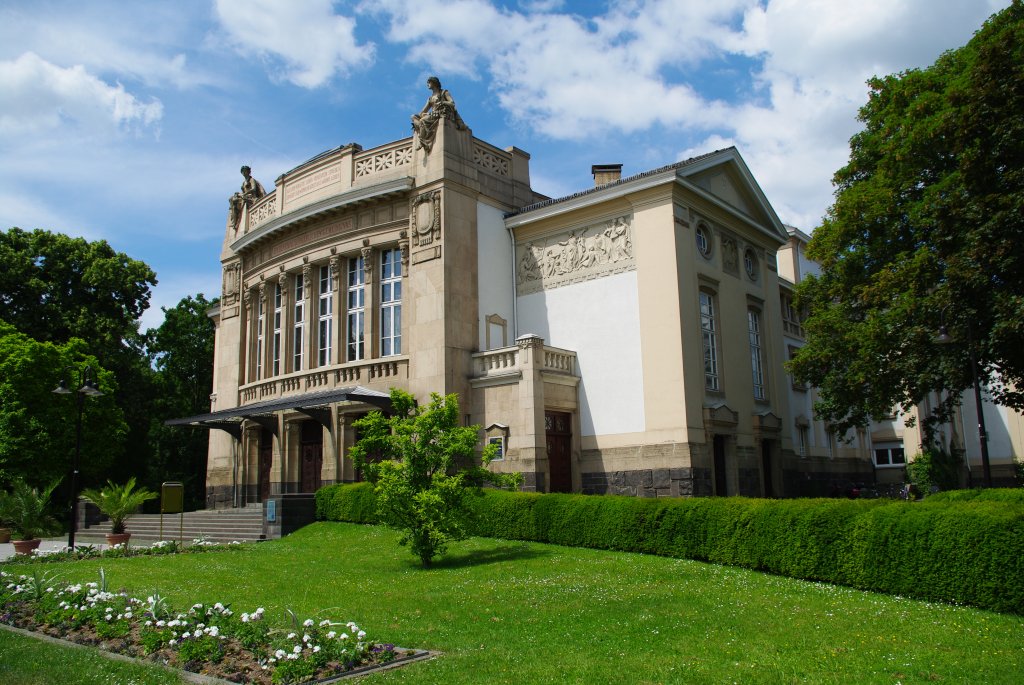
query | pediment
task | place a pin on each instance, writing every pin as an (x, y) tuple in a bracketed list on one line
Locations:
[(724, 176)]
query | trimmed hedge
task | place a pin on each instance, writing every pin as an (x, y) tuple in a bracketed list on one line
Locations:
[(1005, 495), (962, 552)]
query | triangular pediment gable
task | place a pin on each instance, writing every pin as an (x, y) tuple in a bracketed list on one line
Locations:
[(724, 176)]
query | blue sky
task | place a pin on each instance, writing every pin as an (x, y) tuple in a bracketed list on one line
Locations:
[(128, 121)]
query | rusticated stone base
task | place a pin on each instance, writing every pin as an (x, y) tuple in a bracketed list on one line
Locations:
[(641, 483), (533, 481)]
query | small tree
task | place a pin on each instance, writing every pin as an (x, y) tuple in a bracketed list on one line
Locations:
[(413, 459)]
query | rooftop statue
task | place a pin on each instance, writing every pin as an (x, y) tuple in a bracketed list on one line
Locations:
[(251, 191), (440, 105)]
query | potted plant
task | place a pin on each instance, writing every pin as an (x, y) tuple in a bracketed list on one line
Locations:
[(118, 502), (27, 509)]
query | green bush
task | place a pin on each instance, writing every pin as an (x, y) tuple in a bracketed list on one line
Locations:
[(934, 469), (959, 550), (353, 503)]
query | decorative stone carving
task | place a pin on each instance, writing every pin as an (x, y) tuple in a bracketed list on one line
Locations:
[(263, 291), (384, 161), (282, 282), (367, 252), (586, 253), (251, 191), (425, 218), (403, 246), (730, 255), (307, 271), (489, 161), (335, 263), (229, 289), (440, 106)]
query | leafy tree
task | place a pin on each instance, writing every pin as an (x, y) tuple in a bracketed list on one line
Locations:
[(182, 352), (37, 427), (925, 233), (54, 288), (412, 458)]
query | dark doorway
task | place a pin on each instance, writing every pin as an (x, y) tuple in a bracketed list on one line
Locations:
[(558, 436), (311, 453), (721, 483), (266, 458), (766, 467)]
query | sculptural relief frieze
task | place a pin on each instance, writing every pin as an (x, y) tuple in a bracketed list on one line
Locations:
[(582, 254)]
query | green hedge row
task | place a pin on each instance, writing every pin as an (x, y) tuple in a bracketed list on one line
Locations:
[(963, 552), (1004, 495)]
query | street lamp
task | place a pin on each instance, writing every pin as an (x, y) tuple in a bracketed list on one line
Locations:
[(87, 388), (944, 338)]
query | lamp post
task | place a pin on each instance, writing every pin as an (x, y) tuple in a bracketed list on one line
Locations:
[(945, 339), (87, 388)]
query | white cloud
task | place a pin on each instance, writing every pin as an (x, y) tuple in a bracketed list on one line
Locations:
[(313, 43), (39, 95)]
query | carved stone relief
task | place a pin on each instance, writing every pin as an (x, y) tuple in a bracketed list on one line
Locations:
[(582, 254), (425, 218), (229, 289), (730, 255)]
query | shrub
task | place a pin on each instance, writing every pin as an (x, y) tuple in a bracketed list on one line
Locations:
[(934, 469), (955, 551)]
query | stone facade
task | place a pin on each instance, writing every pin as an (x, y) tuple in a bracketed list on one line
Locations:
[(603, 340)]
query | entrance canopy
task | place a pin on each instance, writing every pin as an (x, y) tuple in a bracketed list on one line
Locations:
[(316, 405)]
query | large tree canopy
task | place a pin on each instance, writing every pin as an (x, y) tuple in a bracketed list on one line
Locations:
[(182, 352), (54, 287), (37, 427), (926, 232)]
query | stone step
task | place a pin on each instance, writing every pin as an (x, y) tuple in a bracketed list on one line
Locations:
[(214, 526)]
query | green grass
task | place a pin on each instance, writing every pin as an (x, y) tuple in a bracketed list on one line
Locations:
[(510, 612)]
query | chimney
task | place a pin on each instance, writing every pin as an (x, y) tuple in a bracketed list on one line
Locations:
[(606, 173)]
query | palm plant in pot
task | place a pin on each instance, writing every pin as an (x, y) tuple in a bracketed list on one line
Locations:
[(118, 502), (28, 510)]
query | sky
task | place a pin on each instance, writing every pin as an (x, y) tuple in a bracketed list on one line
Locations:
[(128, 121)]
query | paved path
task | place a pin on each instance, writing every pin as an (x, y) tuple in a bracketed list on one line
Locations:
[(7, 549)]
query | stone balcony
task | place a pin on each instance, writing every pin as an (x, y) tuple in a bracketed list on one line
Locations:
[(507, 364), (377, 374)]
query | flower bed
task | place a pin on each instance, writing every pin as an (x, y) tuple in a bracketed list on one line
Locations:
[(210, 639), (86, 551)]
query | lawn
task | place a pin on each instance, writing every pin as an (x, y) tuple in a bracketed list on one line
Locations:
[(510, 612)]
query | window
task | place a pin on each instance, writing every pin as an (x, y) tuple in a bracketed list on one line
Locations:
[(750, 264), (391, 303), (298, 323), (275, 367), (498, 441), (756, 358), (830, 443), (791, 318), (801, 432), (356, 308), (709, 336), (889, 454), (703, 237), (792, 379), (325, 317), (259, 337)]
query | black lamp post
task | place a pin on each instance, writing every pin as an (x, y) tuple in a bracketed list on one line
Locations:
[(87, 388), (945, 339)]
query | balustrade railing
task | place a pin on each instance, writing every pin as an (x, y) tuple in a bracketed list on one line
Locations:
[(378, 371)]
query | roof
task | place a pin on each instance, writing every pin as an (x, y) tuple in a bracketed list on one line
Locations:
[(313, 404)]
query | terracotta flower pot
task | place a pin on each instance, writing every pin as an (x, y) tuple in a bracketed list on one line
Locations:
[(118, 538), (5, 534), (26, 546)]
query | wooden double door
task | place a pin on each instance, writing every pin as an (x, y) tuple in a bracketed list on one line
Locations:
[(558, 437)]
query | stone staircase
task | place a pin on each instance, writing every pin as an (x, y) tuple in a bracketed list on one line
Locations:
[(244, 524)]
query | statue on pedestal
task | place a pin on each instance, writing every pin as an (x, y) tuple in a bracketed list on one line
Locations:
[(251, 191), (440, 105)]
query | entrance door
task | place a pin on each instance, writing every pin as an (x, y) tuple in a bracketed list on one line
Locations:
[(311, 453), (266, 461), (721, 484), (558, 435), (766, 467)]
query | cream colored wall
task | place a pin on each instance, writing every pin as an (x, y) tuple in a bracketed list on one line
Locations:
[(495, 284)]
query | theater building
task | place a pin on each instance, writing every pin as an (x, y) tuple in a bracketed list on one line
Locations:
[(626, 339)]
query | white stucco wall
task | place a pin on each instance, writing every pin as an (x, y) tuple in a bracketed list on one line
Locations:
[(600, 321), (494, 257)]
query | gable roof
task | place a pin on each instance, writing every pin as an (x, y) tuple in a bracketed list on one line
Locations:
[(693, 174)]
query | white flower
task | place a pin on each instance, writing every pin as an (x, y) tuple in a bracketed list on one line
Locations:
[(361, 634), (316, 648), (280, 654), (325, 622), (344, 636), (331, 635), (296, 649), (172, 641), (245, 618), (291, 636), (305, 638), (197, 633), (307, 623)]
